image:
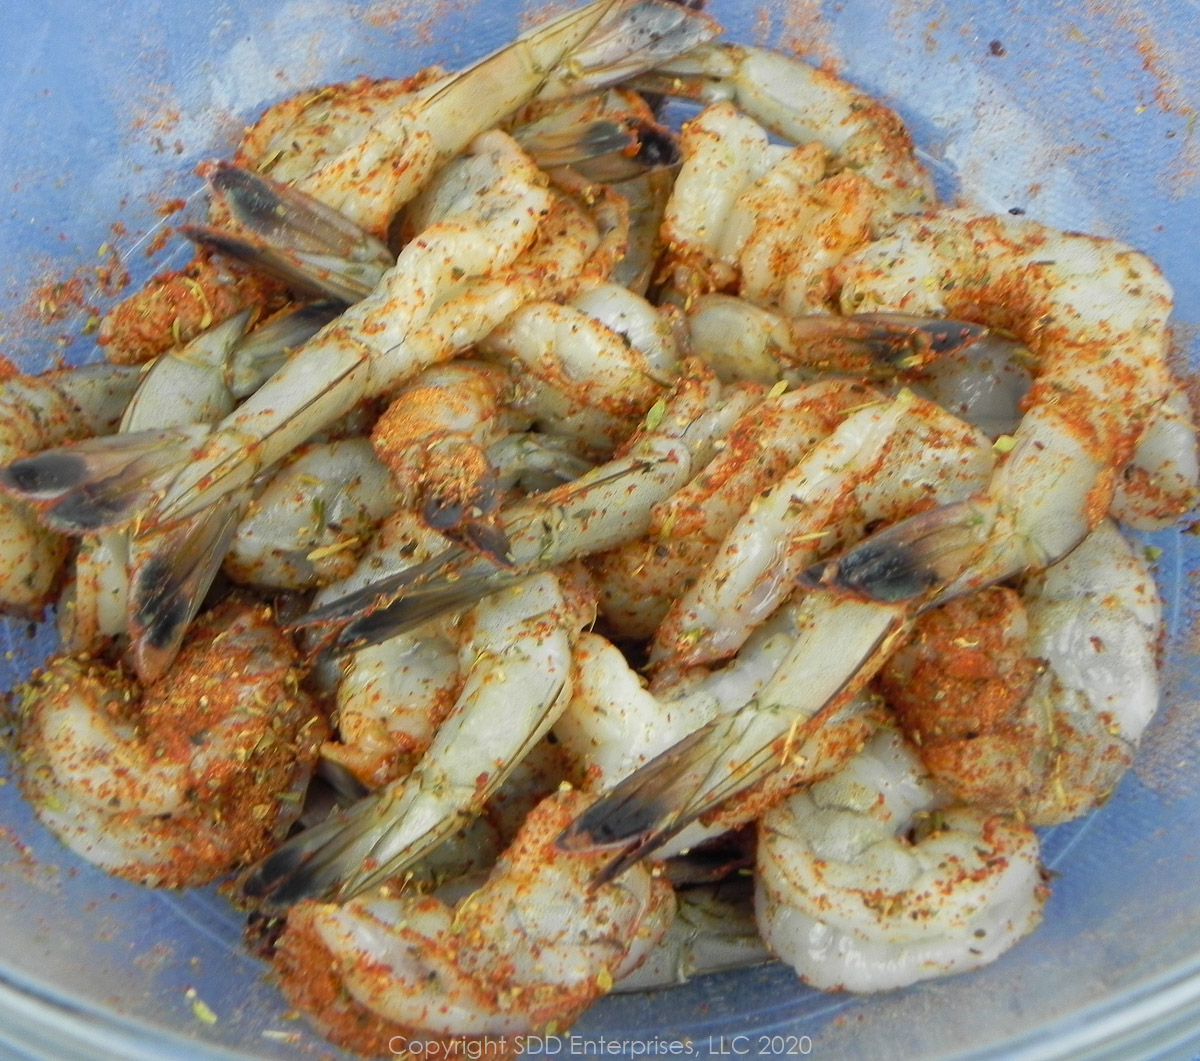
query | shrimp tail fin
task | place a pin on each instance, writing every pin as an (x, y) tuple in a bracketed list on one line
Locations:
[(170, 579), (419, 606), (100, 484), (736, 752), (263, 352), (290, 235), (278, 881), (637, 38), (923, 556)]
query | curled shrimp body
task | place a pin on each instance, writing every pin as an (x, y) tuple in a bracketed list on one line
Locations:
[(391, 698), (313, 519), (1093, 312), (804, 104), (639, 580), (773, 225), (878, 464), (178, 783), (515, 659), (1035, 703), (524, 954), (37, 412), (868, 882), (589, 368)]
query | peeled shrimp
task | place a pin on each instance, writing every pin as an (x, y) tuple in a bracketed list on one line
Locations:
[(607, 506), (1094, 313), (1035, 703), (37, 412), (748, 215), (879, 463), (638, 581), (179, 783), (515, 660), (313, 519), (525, 954), (590, 368), (804, 104), (868, 882), (371, 348)]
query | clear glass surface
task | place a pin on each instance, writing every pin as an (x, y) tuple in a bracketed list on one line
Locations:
[(1081, 115)]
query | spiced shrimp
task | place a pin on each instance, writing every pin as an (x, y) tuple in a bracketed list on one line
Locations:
[(1035, 702), (885, 458), (869, 881), (409, 138), (778, 220), (180, 782), (522, 955), (37, 412), (740, 762), (449, 283), (1094, 314), (515, 660), (607, 506)]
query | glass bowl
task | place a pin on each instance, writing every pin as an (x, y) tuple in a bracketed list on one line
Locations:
[(1080, 115)]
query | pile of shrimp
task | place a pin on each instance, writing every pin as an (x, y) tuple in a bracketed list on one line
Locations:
[(540, 553)]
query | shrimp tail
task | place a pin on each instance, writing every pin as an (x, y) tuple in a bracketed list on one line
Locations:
[(169, 581), (923, 556), (100, 484), (637, 38), (734, 753), (290, 235)]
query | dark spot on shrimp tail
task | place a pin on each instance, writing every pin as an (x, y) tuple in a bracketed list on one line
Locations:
[(248, 194), (88, 510), (909, 559), (44, 475), (877, 570), (159, 605), (657, 146)]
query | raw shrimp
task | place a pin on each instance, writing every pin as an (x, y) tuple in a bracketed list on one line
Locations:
[(638, 581), (1162, 479), (515, 659), (804, 105), (741, 341), (1035, 704), (175, 307), (608, 137), (748, 215), (434, 437), (1094, 313), (609, 505), (148, 586), (525, 954), (276, 229), (391, 698), (614, 725), (37, 412), (868, 881), (313, 519), (590, 368), (879, 464), (447, 275), (580, 51), (713, 930), (181, 782), (803, 719)]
